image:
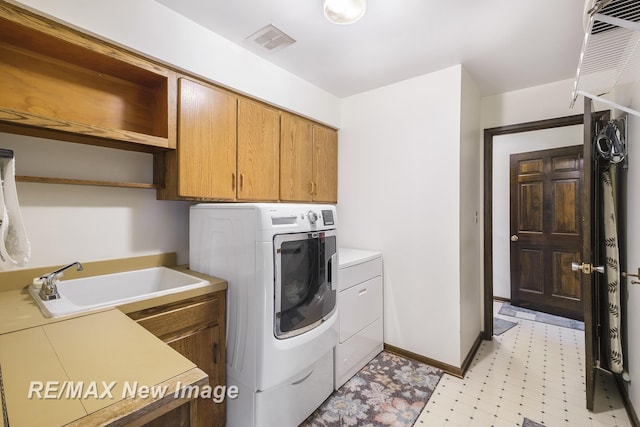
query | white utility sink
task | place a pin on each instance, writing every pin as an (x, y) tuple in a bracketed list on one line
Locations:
[(110, 290)]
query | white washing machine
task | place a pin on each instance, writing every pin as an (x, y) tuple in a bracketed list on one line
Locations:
[(281, 264)]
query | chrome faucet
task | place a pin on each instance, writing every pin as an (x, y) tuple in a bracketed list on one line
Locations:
[(49, 289)]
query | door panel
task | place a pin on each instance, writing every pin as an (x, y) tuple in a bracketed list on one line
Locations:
[(590, 217), (565, 212), (564, 276), (588, 295), (531, 271), (545, 228), (531, 213), (533, 166)]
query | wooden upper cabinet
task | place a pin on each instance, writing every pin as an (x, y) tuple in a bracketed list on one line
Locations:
[(258, 151), (296, 158), (308, 161), (206, 142), (325, 164)]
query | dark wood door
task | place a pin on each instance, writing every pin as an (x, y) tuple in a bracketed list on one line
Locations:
[(593, 122), (546, 230)]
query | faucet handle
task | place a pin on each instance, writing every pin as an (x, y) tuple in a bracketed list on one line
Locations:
[(49, 288)]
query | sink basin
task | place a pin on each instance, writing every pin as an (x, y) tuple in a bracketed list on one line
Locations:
[(110, 290)]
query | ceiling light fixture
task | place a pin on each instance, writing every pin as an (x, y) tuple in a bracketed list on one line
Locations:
[(344, 11)]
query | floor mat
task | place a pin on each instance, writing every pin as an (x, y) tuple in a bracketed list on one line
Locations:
[(500, 326), (390, 391), (524, 313), (528, 423)]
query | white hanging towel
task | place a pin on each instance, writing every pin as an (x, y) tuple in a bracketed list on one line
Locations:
[(15, 249)]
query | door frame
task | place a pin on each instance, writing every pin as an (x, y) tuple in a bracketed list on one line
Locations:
[(489, 133)]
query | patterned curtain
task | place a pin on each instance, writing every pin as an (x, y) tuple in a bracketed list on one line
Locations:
[(612, 269)]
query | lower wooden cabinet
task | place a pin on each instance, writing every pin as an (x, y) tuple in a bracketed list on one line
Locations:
[(178, 417), (195, 328)]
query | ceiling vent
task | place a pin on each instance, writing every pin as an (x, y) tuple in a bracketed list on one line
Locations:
[(271, 38), (628, 10)]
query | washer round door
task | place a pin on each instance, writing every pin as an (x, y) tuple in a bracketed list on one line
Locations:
[(306, 268)]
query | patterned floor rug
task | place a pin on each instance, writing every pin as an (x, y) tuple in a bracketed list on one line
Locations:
[(524, 313), (389, 391)]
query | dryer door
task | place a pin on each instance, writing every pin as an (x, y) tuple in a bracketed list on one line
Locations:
[(306, 268)]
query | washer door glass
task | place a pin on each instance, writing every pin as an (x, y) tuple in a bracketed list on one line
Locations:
[(305, 288)]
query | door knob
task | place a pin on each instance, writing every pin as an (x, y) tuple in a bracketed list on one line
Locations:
[(514, 238), (586, 268)]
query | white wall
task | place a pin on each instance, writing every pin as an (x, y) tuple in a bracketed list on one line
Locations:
[(526, 105), (156, 31), (629, 96), (68, 223), (470, 225), (399, 175), (503, 147)]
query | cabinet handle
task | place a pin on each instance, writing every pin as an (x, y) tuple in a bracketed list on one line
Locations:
[(310, 187), (216, 352), (315, 188), (241, 181), (233, 181)]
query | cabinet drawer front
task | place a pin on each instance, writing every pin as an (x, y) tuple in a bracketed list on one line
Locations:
[(357, 351), (182, 320), (358, 273), (359, 306)]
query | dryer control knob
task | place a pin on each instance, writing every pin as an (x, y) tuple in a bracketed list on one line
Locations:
[(313, 217)]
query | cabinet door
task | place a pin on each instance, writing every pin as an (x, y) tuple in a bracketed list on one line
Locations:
[(206, 141), (258, 151), (325, 164), (296, 158), (205, 348)]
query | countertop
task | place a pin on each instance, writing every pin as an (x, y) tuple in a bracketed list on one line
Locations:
[(105, 350), (348, 257), (104, 345)]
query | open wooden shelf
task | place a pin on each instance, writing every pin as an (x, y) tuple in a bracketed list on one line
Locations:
[(47, 180), (56, 80)]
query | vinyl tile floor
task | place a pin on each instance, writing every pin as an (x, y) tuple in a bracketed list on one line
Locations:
[(535, 371)]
